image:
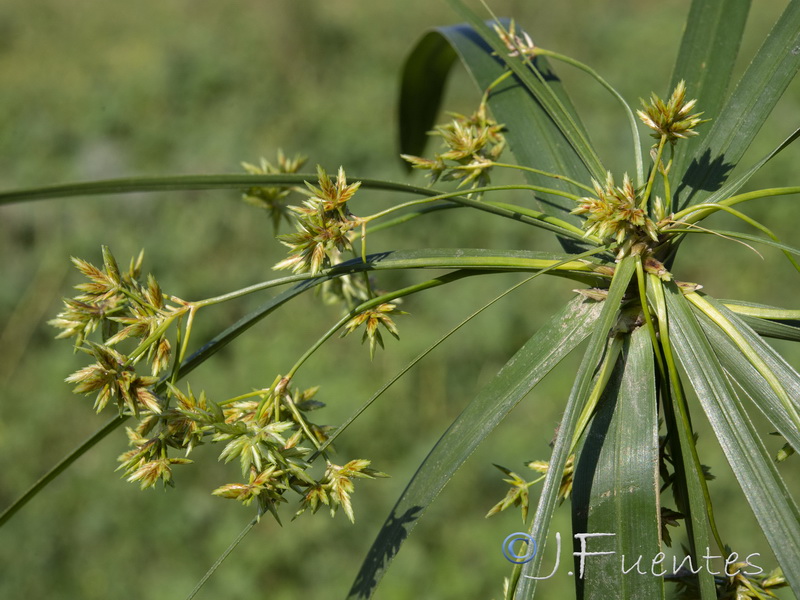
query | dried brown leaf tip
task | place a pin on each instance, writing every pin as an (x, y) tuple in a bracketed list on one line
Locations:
[(671, 119)]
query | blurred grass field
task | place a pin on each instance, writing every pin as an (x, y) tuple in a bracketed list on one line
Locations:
[(95, 90)]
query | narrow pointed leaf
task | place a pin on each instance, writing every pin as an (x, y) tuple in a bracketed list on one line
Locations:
[(522, 372), (772, 505), (773, 329), (767, 321), (616, 484), (734, 185), (748, 377), (689, 488), (526, 585), (770, 72), (706, 57), (421, 89)]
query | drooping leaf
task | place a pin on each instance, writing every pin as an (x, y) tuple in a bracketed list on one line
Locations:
[(533, 136), (747, 376)]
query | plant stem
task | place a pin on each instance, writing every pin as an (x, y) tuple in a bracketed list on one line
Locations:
[(372, 303), (222, 557), (683, 409), (691, 214), (637, 144), (339, 430), (546, 174), (653, 171), (60, 467)]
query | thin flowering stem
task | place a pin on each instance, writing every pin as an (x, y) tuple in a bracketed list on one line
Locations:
[(694, 228), (648, 318), (412, 289), (241, 397), (339, 430), (162, 328), (223, 556), (577, 184), (637, 144), (497, 82), (653, 171), (393, 209), (343, 269), (749, 221), (693, 214), (667, 185), (657, 289), (544, 221), (299, 419), (189, 322), (413, 215)]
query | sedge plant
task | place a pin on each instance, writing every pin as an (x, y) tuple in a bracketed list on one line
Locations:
[(657, 352)]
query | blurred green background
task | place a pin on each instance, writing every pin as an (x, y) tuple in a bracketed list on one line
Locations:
[(96, 89)]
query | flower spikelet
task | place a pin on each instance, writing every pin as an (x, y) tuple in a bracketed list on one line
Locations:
[(317, 240), (614, 214), (273, 198), (339, 484), (671, 119), (472, 144), (112, 378), (371, 319), (517, 46), (324, 223), (565, 489), (517, 494)]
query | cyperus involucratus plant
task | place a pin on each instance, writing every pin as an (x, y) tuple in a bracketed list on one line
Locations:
[(659, 351)]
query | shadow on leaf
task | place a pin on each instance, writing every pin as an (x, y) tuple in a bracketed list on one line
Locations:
[(386, 545)]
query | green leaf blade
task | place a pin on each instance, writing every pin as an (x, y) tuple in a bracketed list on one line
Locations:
[(533, 136), (522, 372), (770, 501), (617, 481), (526, 586), (770, 72), (706, 58)]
